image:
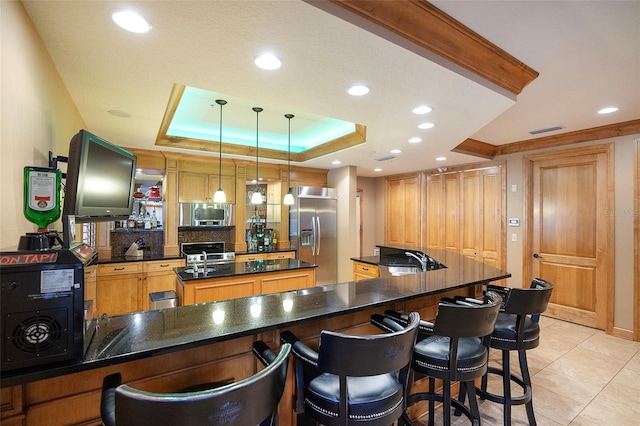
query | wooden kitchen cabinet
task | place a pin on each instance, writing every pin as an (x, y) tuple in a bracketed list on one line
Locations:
[(403, 211), (282, 255), (465, 213), (364, 271), (252, 257), (200, 187), (158, 276), (224, 288), (119, 288)]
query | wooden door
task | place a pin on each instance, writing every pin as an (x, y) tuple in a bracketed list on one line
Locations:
[(434, 212), (451, 211), (571, 234), (481, 209), (403, 212)]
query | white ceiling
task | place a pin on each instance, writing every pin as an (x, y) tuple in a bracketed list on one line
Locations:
[(587, 54)]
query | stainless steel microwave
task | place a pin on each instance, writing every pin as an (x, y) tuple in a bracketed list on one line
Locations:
[(202, 214)]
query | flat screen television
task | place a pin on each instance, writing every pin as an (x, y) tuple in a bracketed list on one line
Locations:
[(100, 180)]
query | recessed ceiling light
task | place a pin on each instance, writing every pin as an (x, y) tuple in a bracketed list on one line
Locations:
[(395, 151), (415, 140), (377, 169), (358, 90), (336, 162), (426, 125), (441, 158), (268, 61), (131, 21), (422, 109), (608, 110)]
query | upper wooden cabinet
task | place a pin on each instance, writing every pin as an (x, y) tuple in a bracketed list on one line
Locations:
[(403, 211), (200, 187)]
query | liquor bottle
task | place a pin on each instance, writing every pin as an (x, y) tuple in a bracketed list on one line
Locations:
[(42, 195)]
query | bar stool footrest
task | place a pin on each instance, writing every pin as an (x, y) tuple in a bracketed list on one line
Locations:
[(460, 408), (500, 399)]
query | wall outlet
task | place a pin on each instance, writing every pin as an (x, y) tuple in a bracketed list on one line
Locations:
[(514, 237)]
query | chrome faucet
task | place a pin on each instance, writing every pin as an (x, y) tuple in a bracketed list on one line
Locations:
[(422, 259), (204, 257)]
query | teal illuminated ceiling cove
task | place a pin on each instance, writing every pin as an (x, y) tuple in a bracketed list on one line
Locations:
[(192, 117)]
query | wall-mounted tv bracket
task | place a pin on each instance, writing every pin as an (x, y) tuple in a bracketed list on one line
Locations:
[(53, 162)]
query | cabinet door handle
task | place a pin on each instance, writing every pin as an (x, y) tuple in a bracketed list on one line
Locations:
[(164, 265), (365, 269), (119, 269), (537, 256)]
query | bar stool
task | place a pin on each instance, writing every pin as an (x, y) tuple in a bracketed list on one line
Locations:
[(517, 329), (353, 380), (454, 348), (250, 401)]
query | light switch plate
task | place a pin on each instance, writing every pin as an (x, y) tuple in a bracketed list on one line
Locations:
[(514, 221)]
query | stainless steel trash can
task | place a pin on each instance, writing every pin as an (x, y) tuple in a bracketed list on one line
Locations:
[(163, 299)]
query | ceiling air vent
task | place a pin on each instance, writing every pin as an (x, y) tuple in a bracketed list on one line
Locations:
[(548, 129), (388, 157)]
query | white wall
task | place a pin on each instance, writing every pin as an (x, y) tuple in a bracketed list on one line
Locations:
[(37, 115)]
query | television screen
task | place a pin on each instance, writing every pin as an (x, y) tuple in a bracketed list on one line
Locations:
[(100, 179)]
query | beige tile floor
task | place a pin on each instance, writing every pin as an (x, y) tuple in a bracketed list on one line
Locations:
[(581, 377)]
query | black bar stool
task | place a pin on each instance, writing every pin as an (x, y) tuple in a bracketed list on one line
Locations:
[(454, 348), (353, 380), (517, 329), (250, 401)]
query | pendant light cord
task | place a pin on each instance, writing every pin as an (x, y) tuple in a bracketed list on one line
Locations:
[(220, 102)]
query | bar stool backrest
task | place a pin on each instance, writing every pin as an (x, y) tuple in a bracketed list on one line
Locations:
[(347, 355), (478, 320), (531, 301), (246, 402)]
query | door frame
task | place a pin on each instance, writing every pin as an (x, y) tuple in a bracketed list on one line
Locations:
[(636, 245), (609, 245)]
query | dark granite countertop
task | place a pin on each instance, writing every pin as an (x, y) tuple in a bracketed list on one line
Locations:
[(243, 268), (129, 337)]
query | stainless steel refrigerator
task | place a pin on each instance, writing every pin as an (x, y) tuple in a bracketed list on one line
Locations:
[(313, 228)]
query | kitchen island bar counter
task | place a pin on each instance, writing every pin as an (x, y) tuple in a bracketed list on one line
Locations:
[(130, 337), (232, 269)]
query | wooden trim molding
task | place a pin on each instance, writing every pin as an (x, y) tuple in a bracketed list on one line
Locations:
[(426, 26), (476, 148), (357, 137), (636, 244), (585, 135), (487, 150)]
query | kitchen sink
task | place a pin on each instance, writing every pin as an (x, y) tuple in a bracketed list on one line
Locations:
[(397, 270)]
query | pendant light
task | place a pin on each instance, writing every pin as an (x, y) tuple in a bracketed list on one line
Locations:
[(256, 198), (220, 197), (288, 198)]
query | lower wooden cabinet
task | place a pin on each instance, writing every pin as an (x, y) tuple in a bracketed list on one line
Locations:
[(363, 271), (123, 288), (282, 255), (216, 289), (158, 276), (252, 257), (118, 288)]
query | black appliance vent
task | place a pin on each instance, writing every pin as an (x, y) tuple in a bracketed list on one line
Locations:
[(36, 334)]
